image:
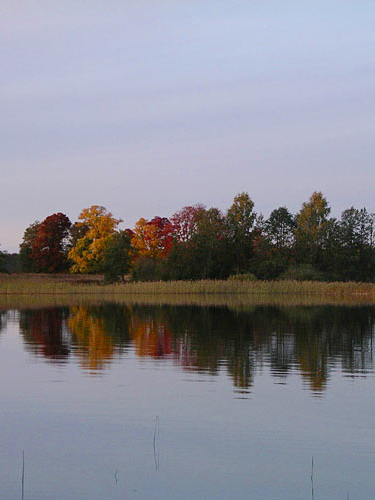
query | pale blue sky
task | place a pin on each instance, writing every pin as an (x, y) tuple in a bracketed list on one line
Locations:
[(147, 106)]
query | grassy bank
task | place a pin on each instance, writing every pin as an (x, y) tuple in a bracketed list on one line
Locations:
[(25, 284), (238, 302)]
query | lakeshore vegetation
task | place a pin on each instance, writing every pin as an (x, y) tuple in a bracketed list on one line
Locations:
[(201, 249)]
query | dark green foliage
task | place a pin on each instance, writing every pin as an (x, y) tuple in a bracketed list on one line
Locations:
[(280, 228), (2, 262), (11, 263), (77, 231), (26, 263), (147, 269), (302, 272), (242, 277), (240, 220), (206, 255), (118, 257)]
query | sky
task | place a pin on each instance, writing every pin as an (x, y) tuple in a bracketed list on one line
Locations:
[(148, 106)]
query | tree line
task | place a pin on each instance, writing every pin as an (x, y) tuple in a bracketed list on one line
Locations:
[(204, 243)]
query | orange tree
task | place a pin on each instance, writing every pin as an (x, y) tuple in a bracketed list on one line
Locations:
[(153, 239)]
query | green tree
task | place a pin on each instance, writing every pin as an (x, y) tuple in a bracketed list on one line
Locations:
[(280, 228), (118, 257), (205, 254), (31, 232), (311, 227), (2, 262), (240, 220), (355, 255)]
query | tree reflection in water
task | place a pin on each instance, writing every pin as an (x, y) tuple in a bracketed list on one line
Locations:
[(98, 332), (309, 340), (45, 332)]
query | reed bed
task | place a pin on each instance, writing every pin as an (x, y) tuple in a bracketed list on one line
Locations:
[(238, 302), (18, 291), (35, 284)]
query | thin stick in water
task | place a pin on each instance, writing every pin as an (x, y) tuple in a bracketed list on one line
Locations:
[(23, 474), (156, 456)]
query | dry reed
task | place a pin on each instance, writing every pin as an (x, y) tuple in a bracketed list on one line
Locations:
[(35, 284)]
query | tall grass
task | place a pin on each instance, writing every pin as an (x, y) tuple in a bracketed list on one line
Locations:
[(35, 284), (38, 291), (236, 302)]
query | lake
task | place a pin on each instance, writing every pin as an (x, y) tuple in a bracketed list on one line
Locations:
[(115, 401)]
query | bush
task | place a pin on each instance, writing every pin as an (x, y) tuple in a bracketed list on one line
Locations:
[(146, 269), (302, 272), (242, 277)]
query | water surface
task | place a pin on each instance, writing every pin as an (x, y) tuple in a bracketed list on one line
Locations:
[(115, 401)]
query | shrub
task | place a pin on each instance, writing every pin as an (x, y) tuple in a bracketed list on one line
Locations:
[(146, 269), (302, 272), (242, 277)]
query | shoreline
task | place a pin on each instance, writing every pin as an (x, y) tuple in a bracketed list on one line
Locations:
[(49, 290)]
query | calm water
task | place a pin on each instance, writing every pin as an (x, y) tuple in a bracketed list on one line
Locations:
[(156, 403)]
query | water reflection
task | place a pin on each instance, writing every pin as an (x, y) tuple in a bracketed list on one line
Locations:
[(98, 332), (45, 332), (314, 341)]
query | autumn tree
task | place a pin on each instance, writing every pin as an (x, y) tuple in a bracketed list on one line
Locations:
[(48, 248), (185, 222), (88, 254), (153, 239)]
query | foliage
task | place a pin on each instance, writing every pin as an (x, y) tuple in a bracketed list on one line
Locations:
[(118, 257), (242, 277), (153, 239), (206, 253), (78, 231), (311, 226), (2, 262), (280, 228), (185, 222), (29, 236), (88, 254), (11, 262), (48, 248), (302, 272), (240, 220), (198, 243), (146, 269)]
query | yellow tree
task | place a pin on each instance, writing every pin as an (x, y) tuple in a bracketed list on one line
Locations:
[(89, 251)]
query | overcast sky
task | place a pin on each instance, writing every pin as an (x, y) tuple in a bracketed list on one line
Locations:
[(147, 106)]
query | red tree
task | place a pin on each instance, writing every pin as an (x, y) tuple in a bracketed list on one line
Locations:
[(48, 251), (165, 233), (185, 222)]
